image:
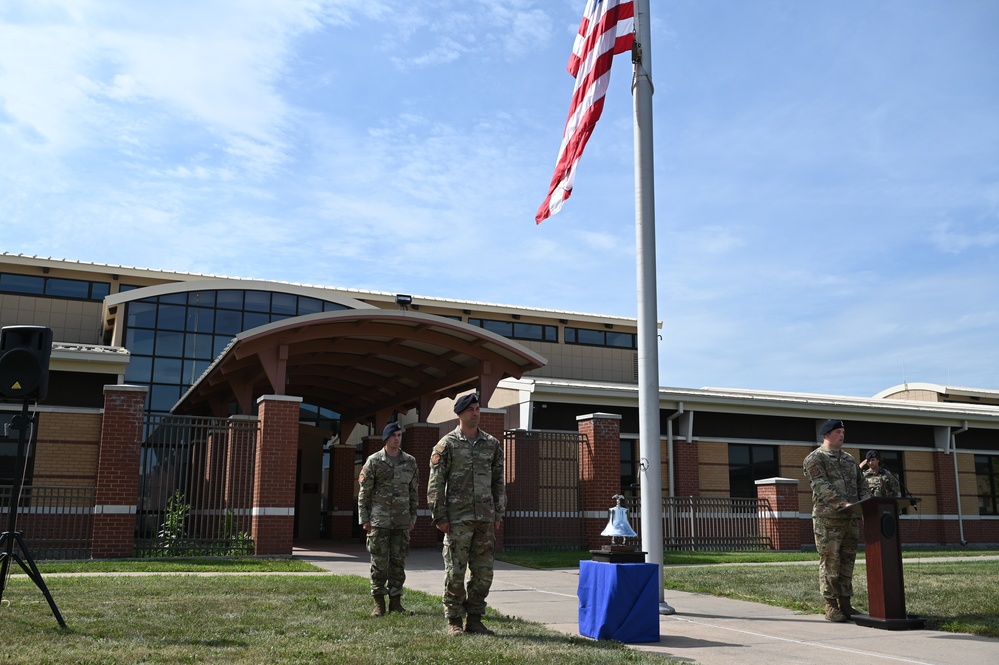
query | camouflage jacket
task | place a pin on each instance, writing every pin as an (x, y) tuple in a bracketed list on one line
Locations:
[(389, 493), (835, 478), (466, 479), (882, 483)]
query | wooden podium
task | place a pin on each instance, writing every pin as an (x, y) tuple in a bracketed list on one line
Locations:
[(883, 552)]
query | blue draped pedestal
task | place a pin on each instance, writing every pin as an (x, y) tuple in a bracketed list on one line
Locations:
[(619, 601)]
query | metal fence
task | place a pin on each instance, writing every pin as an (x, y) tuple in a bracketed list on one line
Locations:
[(712, 523), (55, 522), (544, 505), (196, 486)]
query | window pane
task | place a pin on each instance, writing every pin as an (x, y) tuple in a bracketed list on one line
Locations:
[(99, 290), (254, 319), (258, 301), (230, 299), (201, 298), (138, 340), (193, 369), (169, 343), (221, 341), (228, 323), (162, 398), (67, 288), (621, 340), (174, 299), (171, 317), (22, 284), (284, 303), (551, 334), (527, 331), (139, 370), (570, 335), (333, 307), (504, 328), (593, 337), (141, 314), (167, 370), (309, 305), (200, 320), (198, 346)]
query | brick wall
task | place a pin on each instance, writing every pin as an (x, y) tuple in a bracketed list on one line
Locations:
[(273, 524), (66, 449), (599, 471)]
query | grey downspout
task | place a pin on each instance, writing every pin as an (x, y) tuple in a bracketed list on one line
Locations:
[(669, 445), (957, 481)]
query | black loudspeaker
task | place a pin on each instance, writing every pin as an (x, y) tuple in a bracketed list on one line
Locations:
[(24, 362)]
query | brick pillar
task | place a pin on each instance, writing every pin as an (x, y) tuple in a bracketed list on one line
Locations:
[(418, 440), (493, 422), (274, 475), (342, 492), (947, 530), (599, 471), (687, 476), (118, 472), (784, 528)]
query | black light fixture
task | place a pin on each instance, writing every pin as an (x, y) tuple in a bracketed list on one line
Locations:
[(403, 300)]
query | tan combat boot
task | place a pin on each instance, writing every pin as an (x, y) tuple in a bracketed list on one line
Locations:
[(474, 625), (846, 608), (379, 610), (395, 604), (832, 611), (454, 626)]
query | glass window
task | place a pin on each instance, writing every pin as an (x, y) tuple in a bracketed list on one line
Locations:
[(174, 299), (199, 346), (200, 320), (528, 331), (171, 317), (284, 303), (169, 343), (139, 369), (987, 482), (22, 284), (229, 299), (99, 290), (140, 341), (201, 298), (333, 307), (141, 314), (167, 370), (570, 336), (162, 398), (258, 301), (621, 340), (193, 369), (309, 305), (221, 341), (254, 319), (592, 337), (228, 323), (747, 464), (67, 288)]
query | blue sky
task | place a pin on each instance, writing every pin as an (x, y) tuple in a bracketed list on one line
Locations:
[(827, 174)]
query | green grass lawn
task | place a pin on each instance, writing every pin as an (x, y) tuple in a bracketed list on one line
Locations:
[(258, 619)]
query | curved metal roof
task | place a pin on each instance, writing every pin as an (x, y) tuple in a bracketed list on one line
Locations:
[(363, 364)]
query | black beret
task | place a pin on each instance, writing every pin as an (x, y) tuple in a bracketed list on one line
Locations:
[(873, 453), (829, 426), (465, 401), (391, 429)]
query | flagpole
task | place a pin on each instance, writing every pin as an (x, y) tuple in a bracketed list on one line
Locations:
[(648, 336)]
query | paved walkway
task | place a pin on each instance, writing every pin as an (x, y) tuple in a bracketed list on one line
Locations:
[(704, 629)]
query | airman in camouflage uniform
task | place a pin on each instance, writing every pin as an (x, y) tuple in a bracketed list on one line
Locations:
[(386, 508), (836, 482), (467, 496), (879, 479)]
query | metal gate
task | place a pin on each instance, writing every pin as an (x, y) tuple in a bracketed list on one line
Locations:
[(196, 486), (543, 502), (712, 523), (56, 522)]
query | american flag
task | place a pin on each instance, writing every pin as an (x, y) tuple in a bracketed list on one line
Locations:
[(607, 29)]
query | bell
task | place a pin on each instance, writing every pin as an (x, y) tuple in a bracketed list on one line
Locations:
[(617, 524)]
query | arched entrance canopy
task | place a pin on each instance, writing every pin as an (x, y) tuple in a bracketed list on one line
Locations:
[(363, 364)]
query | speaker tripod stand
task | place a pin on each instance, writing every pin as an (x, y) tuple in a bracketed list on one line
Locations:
[(12, 536)]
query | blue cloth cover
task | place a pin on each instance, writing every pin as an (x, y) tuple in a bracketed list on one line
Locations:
[(619, 601)]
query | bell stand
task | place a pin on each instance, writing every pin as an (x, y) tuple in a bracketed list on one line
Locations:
[(7, 539)]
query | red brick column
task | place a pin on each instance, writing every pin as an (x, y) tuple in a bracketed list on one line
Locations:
[(947, 530), (419, 440), (493, 422), (687, 478), (784, 528), (342, 492), (274, 475), (599, 471), (118, 472)]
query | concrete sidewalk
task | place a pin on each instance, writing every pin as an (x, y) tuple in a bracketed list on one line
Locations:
[(705, 629)]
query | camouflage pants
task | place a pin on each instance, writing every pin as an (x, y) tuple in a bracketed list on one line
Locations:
[(836, 540), (388, 549), (468, 546)]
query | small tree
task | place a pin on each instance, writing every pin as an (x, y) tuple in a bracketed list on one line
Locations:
[(172, 535)]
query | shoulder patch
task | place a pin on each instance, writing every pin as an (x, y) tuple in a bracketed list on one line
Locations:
[(435, 458), (360, 478)]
